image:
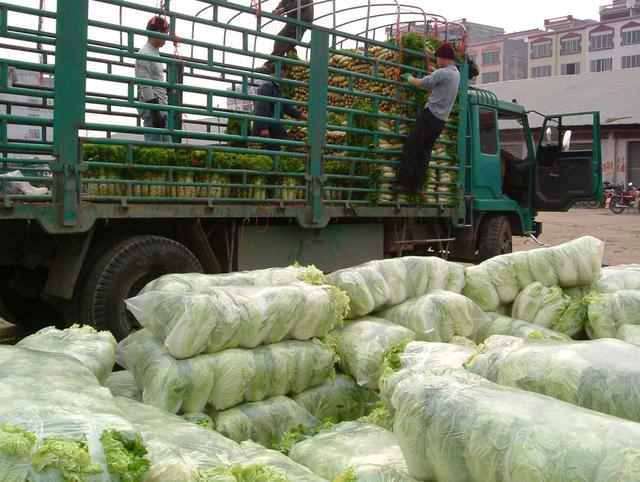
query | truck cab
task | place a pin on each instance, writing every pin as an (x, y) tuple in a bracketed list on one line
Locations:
[(111, 210)]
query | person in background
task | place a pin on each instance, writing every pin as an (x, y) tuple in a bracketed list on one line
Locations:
[(297, 10), (265, 108), (443, 84), (152, 70)]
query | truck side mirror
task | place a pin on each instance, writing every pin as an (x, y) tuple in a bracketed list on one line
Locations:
[(566, 140)]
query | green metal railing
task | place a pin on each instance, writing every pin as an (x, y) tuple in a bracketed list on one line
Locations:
[(98, 154)]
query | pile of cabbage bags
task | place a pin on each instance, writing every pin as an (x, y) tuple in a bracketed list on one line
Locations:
[(498, 282), (353, 451), (378, 284), (225, 379), (94, 349), (220, 318), (458, 426), (603, 375), (57, 423)]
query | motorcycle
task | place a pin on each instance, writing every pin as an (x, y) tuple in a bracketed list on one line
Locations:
[(624, 199)]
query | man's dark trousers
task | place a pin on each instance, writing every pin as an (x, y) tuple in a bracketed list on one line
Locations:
[(417, 151)]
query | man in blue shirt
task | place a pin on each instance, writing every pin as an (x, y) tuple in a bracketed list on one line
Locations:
[(266, 108), (443, 84)]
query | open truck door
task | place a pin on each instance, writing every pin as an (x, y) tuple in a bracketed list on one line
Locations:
[(566, 173)]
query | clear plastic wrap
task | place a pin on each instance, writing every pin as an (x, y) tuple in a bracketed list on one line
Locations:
[(438, 316), (123, 384), (421, 357), (95, 349), (340, 399), (602, 375), (365, 451), (629, 333), (499, 280), (362, 344), (540, 305), (223, 379), (608, 312), (196, 282), (461, 427), (263, 422), (238, 317), (177, 446), (617, 278), (182, 451), (505, 325), (376, 284), (57, 423)]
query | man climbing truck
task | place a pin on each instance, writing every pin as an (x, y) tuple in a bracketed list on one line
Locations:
[(122, 211)]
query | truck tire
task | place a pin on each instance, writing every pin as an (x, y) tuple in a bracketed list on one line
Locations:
[(122, 271), (496, 237)]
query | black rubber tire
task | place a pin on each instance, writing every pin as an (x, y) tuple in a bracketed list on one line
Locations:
[(122, 271), (496, 238), (616, 206)]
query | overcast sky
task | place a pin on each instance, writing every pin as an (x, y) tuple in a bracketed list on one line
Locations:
[(515, 15)]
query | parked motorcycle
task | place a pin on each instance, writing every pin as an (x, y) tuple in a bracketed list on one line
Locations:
[(624, 199)]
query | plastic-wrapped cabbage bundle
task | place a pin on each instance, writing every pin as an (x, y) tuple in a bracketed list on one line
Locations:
[(223, 379), (602, 375), (177, 447), (629, 333), (362, 344), (499, 280), (505, 325), (357, 451), (420, 357), (123, 384), (574, 319), (617, 278), (460, 427), (263, 422), (438, 316), (540, 305), (196, 282), (58, 424), (239, 317), (294, 471), (376, 284), (95, 349), (608, 312), (339, 399)]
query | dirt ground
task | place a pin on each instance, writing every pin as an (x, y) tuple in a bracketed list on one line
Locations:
[(620, 232)]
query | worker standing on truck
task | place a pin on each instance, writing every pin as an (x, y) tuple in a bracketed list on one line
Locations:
[(266, 108), (443, 84), (151, 70), (297, 10)]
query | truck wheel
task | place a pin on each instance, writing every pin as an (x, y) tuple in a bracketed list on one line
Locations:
[(495, 238), (122, 271)]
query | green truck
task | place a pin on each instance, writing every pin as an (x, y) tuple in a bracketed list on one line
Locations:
[(120, 211)]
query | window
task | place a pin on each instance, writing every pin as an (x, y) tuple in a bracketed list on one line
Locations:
[(631, 37), (570, 69), (491, 58), (543, 71), (601, 41), (602, 65), (571, 46), (488, 132), (489, 77), (631, 62), (541, 50)]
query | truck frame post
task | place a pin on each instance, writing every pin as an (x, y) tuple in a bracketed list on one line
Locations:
[(70, 95), (318, 89)]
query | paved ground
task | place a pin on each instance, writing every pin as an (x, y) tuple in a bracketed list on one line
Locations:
[(620, 232)]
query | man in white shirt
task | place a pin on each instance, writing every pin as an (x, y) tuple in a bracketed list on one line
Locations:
[(152, 70)]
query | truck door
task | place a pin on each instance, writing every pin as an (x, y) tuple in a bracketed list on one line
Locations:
[(568, 170)]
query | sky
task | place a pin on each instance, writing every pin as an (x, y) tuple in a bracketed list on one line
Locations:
[(514, 15)]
